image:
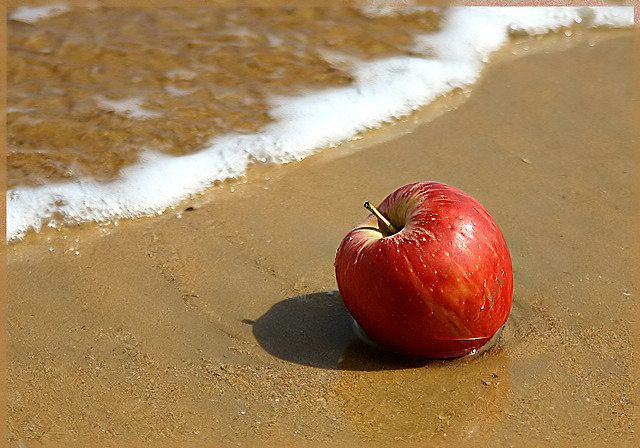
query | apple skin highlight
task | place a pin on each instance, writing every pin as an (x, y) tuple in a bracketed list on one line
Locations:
[(440, 287)]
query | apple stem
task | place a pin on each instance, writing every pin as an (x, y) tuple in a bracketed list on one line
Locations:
[(382, 221)]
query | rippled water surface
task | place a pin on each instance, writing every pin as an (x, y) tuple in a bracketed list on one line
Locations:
[(88, 89)]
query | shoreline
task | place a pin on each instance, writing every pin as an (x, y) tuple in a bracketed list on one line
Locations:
[(221, 320), (150, 185)]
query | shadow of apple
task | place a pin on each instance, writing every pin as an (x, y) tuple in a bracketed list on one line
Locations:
[(316, 330)]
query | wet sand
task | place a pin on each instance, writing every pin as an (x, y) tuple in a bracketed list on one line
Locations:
[(219, 323)]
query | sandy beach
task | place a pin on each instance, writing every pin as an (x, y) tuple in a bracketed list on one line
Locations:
[(219, 323)]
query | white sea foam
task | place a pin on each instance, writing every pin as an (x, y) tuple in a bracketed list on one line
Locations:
[(382, 90), (33, 14), (130, 107)]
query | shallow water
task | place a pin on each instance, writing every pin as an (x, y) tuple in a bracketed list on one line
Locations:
[(90, 88)]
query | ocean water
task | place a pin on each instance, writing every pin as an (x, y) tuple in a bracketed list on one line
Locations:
[(124, 112)]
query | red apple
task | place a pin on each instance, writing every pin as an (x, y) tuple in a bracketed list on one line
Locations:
[(440, 285)]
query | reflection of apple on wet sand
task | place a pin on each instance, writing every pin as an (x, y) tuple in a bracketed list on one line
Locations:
[(416, 276), (461, 399)]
